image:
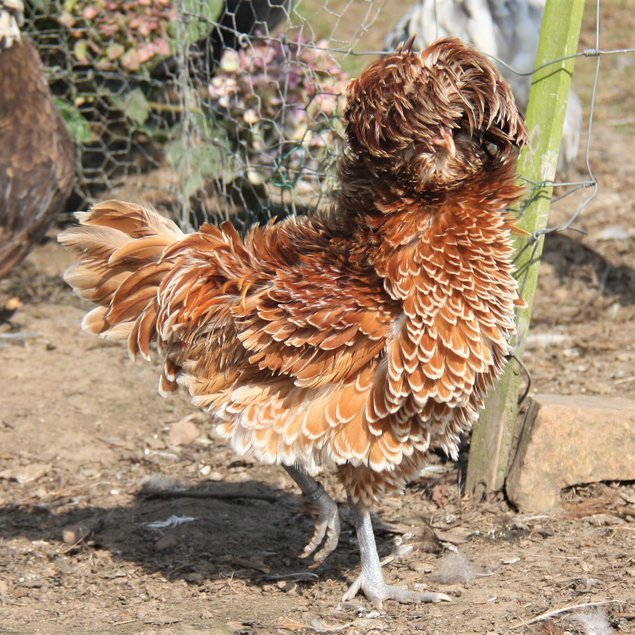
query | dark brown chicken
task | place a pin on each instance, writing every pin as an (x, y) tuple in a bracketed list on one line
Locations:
[(36, 151), (359, 339)]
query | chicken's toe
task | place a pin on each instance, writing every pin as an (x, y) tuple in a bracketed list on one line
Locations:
[(327, 530), (327, 527), (371, 580), (377, 592)]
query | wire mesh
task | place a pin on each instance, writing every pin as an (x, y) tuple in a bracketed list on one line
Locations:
[(208, 109), (213, 109)]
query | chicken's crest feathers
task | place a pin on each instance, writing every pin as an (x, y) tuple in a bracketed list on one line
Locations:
[(409, 97), (507, 31), (424, 129), (407, 46)]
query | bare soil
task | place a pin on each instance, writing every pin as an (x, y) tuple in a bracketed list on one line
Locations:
[(82, 428)]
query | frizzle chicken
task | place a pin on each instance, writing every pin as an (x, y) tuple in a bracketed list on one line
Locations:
[(37, 156), (357, 339)]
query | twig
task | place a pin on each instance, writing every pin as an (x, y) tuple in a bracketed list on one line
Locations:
[(19, 335), (300, 576), (123, 622), (238, 494), (624, 380), (564, 609), (159, 107)]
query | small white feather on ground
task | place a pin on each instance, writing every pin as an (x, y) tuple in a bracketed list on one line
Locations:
[(594, 622), (455, 568)]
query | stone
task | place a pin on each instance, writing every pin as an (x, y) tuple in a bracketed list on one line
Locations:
[(568, 440), (183, 432)]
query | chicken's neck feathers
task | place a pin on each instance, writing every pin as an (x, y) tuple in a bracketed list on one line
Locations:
[(393, 223)]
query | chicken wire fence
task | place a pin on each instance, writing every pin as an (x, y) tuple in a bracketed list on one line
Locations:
[(208, 109), (214, 109)]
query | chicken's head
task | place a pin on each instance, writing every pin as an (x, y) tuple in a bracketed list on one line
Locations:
[(11, 18), (433, 121)]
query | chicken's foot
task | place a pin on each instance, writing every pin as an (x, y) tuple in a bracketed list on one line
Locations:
[(327, 526), (371, 580)]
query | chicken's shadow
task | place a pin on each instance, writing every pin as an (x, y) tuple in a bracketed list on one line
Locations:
[(573, 259), (251, 531)]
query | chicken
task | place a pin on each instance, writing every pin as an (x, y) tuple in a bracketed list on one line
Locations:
[(360, 338), (37, 156), (508, 30)]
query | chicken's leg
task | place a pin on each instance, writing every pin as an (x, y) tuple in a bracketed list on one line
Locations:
[(371, 579), (327, 526)]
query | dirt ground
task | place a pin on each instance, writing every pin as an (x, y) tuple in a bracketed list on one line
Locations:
[(82, 429)]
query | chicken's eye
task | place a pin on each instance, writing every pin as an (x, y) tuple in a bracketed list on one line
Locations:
[(491, 149)]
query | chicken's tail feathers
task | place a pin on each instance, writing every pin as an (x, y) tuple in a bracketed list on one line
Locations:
[(134, 220), (120, 246)]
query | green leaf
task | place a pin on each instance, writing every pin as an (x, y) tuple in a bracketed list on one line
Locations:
[(201, 161), (338, 128), (69, 5), (80, 50), (114, 51), (133, 104), (202, 151), (77, 125), (44, 7), (200, 16), (156, 133)]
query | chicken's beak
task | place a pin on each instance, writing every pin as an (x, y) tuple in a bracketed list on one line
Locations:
[(445, 139)]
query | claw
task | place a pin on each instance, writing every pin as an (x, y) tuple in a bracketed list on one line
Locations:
[(327, 531), (327, 527)]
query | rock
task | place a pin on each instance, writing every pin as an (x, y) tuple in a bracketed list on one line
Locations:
[(183, 432), (567, 440), (77, 532)]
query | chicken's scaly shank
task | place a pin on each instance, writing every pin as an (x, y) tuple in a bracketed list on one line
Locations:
[(360, 338)]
